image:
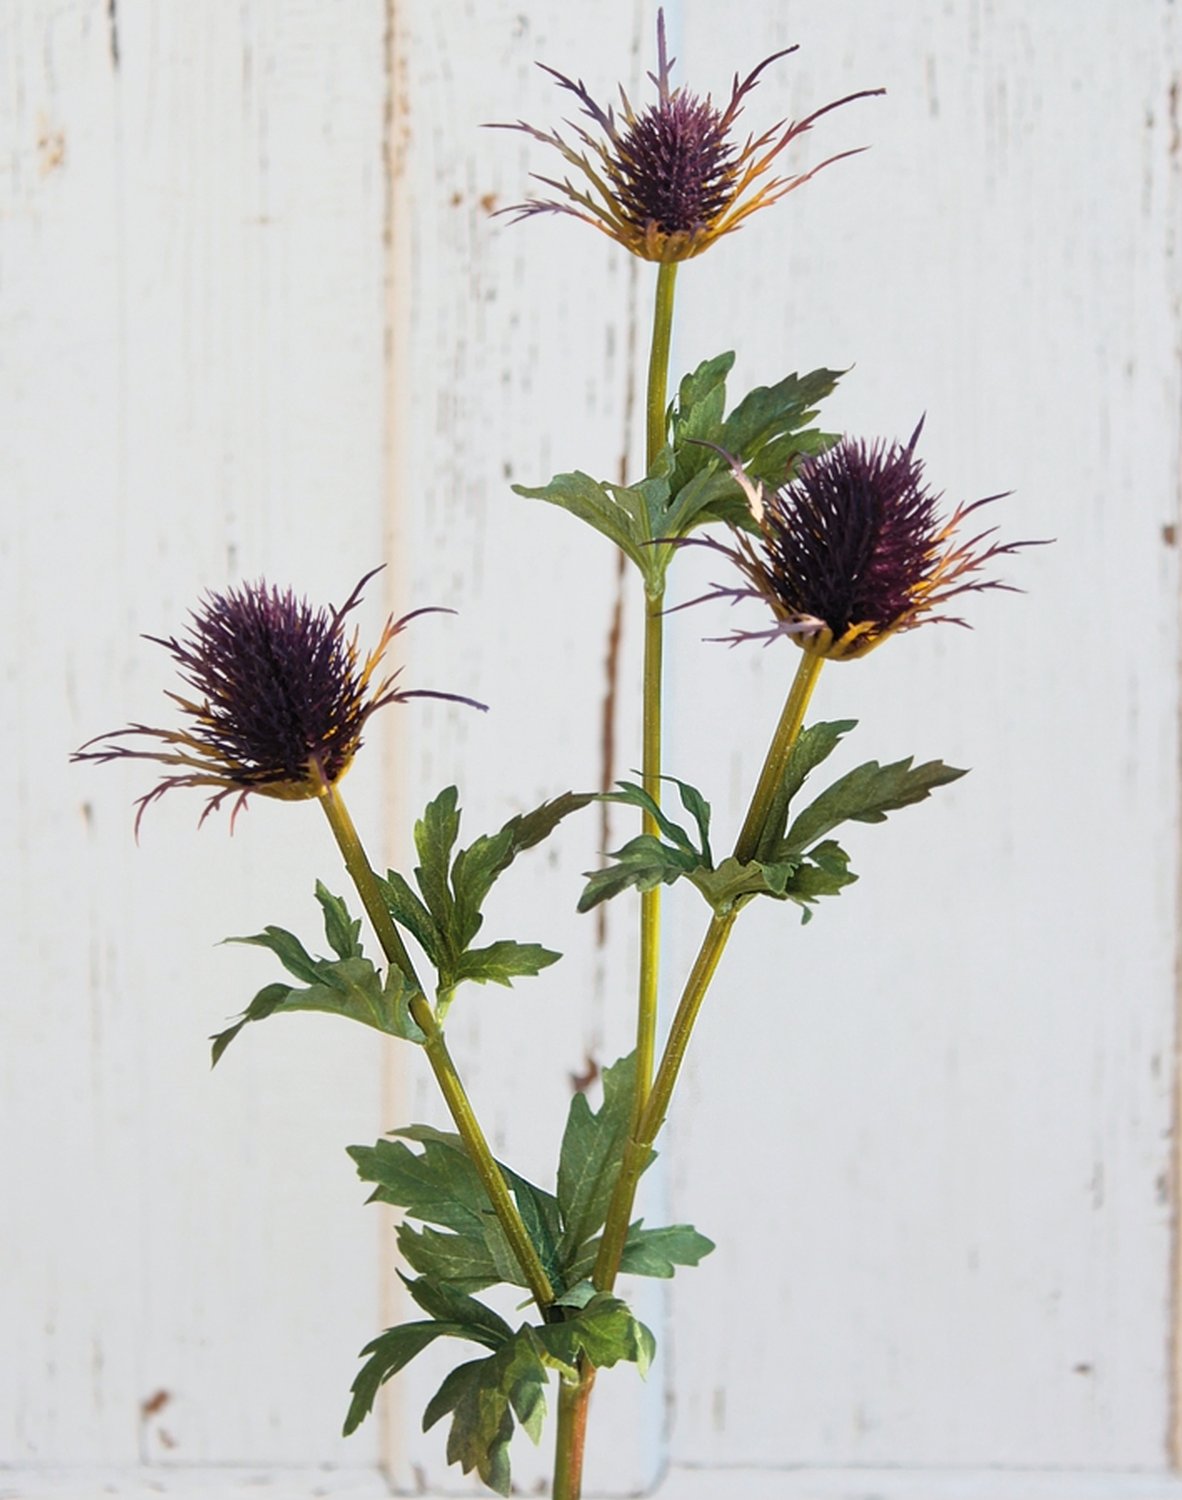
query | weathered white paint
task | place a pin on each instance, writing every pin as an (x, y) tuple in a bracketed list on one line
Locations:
[(192, 304), (256, 317)]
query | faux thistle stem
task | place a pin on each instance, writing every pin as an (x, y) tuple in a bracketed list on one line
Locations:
[(654, 645), (458, 1104), (652, 1116), (658, 362), (571, 1438)]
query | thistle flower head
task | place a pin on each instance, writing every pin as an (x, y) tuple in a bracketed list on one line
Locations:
[(283, 698), (853, 550), (667, 181)]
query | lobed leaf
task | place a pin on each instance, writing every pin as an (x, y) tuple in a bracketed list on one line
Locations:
[(589, 1161), (866, 795), (348, 986)]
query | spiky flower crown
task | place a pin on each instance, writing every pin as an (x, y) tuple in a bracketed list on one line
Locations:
[(283, 698), (853, 550), (666, 182)]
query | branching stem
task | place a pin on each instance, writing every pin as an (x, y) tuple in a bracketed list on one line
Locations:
[(652, 1117), (446, 1075)]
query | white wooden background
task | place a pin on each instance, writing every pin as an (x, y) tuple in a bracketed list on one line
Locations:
[(255, 317)]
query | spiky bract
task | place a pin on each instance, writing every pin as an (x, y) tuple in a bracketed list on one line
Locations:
[(668, 181), (853, 550), (283, 698)]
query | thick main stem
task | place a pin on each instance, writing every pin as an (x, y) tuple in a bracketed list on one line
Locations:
[(446, 1074), (615, 1234), (573, 1400), (654, 628), (571, 1438)]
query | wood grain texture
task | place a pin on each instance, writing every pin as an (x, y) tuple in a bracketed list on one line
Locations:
[(192, 343)]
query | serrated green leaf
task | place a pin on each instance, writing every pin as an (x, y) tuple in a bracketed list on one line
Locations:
[(465, 1260), (529, 829), (287, 948), (825, 872), (631, 794), (435, 835), (696, 416), (592, 1149), (438, 1184), (767, 426), (264, 1004), (409, 912), (484, 861), (658, 1252), (503, 962), (812, 746), (605, 1331), (483, 1396), (699, 809), (866, 795), (348, 987), (390, 1352), (647, 1252), (449, 1305), (340, 929), (605, 510), (644, 862)]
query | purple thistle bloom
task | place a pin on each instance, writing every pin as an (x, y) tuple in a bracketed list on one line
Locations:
[(667, 182), (283, 698), (852, 550)]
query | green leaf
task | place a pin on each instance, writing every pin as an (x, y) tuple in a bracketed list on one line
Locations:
[(657, 1252), (287, 948), (866, 795), (438, 1184), (464, 1261), (632, 794), (611, 510), (768, 431), (770, 425), (450, 1305), (348, 986), (812, 746), (265, 1003), (823, 872), (605, 1331), (647, 1252), (483, 1397), (826, 872), (643, 862), (477, 867), (340, 929), (447, 917), (390, 1352), (407, 910), (592, 1149), (435, 835), (503, 962)]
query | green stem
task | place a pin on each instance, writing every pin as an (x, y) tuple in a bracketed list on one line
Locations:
[(446, 1075), (658, 362), (654, 635), (652, 1117), (362, 875)]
